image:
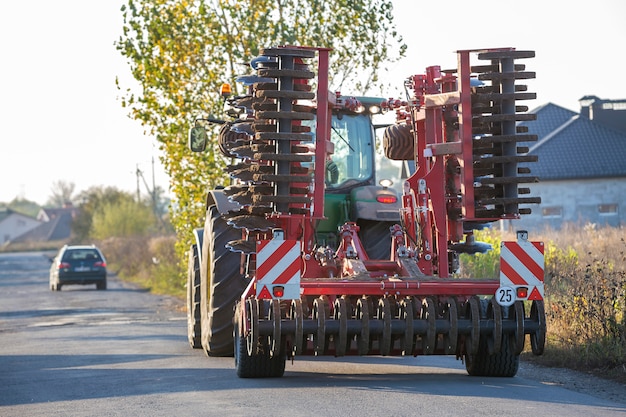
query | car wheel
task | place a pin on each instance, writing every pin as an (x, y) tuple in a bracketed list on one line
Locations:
[(102, 285)]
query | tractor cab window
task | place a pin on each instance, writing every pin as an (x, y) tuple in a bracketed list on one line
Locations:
[(352, 161)]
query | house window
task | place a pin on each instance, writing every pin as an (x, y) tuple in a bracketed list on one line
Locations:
[(607, 209), (555, 211)]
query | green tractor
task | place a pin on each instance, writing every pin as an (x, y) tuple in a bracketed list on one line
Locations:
[(217, 273)]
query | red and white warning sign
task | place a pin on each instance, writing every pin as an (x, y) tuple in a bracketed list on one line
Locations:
[(278, 269), (521, 271)]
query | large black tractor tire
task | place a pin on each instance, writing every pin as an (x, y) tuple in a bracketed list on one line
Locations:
[(221, 285), (502, 364), (375, 238), (399, 143), (194, 324), (261, 365)]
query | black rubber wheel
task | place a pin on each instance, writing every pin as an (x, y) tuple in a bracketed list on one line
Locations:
[(260, 365), (221, 285), (376, 238), (502, 364), (399, 143), (194, 325), (102, 285)]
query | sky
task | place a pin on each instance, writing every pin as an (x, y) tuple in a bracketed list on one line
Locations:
[(61, 118)]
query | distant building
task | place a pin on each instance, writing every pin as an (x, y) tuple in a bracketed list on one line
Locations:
[(14, 224), (581, 167), (55, 225)]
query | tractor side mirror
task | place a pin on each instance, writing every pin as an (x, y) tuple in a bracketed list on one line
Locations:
[(198, 138)]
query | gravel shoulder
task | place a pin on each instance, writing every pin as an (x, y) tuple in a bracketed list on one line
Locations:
[(574, 381)]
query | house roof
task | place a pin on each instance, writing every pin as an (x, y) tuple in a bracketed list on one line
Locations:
[(570, 146), (6, 212), (58, 228)]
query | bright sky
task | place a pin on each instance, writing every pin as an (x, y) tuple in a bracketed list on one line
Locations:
[(61, 119)]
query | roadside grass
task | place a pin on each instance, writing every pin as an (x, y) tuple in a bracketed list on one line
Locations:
[(150, 263), (585, 296)]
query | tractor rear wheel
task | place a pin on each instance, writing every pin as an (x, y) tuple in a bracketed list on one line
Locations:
[(221, 284), (194, 325), (375, 238)]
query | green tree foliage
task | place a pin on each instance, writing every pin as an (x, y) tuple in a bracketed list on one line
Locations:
[(181, 51), (21, 205), (91, 201), (124, 218)]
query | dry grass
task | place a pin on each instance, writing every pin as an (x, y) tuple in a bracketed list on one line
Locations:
[(148, 262), (585, 277)]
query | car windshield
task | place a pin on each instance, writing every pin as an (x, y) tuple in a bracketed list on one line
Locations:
[(352, 160), (81, 255)]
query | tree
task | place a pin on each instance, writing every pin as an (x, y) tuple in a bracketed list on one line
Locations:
[(90, 202), (124, 218), (181, 51), (21, 205), (61, 193)]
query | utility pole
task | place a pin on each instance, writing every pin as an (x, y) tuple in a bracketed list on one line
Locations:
[(151, 193)]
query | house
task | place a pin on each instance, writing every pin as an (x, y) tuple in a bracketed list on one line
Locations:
[(55, 224), (581, 166), (14, 224)]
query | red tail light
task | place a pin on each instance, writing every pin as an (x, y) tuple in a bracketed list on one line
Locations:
[(386, 199), (278, 291), (102, 264), (64, 265)]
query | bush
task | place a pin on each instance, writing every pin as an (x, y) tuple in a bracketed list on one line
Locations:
[(149, 262)]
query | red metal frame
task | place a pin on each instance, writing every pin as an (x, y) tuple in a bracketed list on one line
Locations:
[(430, 193)]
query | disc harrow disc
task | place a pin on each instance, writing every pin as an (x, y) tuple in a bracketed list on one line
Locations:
[(285, 115), (305, 136), (276, 73), (506, 54), (283, 157), (251, 222), (294, 95), (292, 52), (243, 246)]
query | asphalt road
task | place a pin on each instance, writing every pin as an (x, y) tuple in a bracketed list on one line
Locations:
[(124, 352)]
